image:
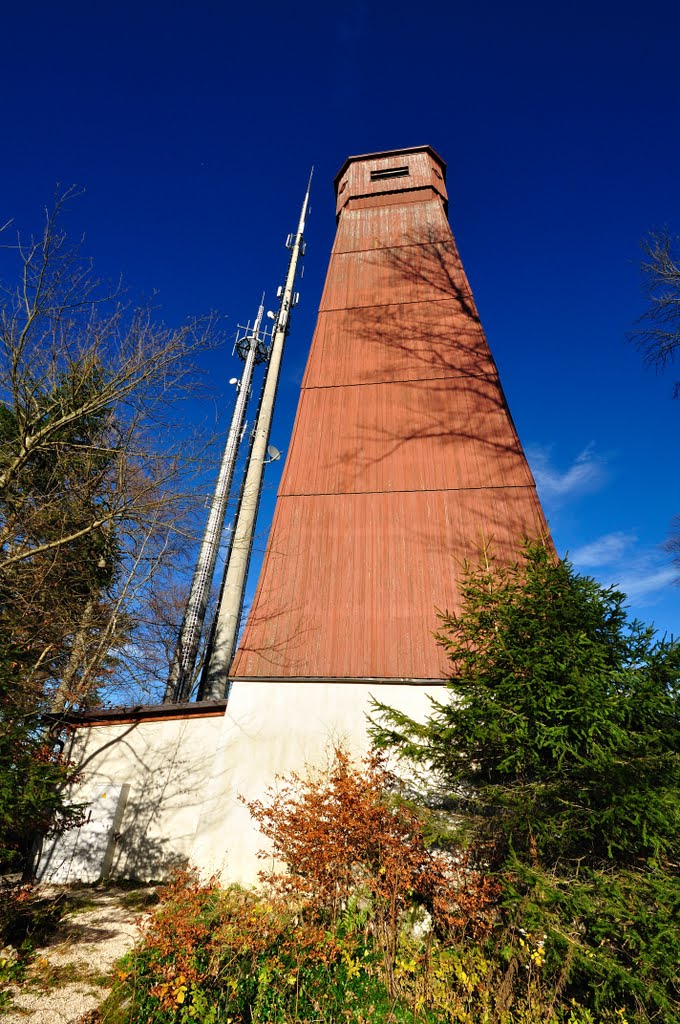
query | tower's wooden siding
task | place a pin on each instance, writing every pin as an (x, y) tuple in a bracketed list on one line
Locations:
[(404, 460)]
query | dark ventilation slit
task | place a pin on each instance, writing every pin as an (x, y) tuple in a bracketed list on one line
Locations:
[(389, 172)]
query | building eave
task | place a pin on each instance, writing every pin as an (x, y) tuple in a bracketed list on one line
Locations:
[(141, 713), (390, 152)]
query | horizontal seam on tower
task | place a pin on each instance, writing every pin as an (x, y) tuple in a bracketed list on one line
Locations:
[(377, 305), (401, 380), (239, 677), (378, 248), (389, 192), (425, 302), (406, 490)]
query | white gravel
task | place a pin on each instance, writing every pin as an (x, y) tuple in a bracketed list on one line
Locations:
[(85, 948)]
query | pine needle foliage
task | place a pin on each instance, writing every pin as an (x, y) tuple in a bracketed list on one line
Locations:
[(561, 734), (557, 755)]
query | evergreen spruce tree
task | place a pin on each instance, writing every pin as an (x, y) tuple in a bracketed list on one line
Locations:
[(51, 603), (557, 756)]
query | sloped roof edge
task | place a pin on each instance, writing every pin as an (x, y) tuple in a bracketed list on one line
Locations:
[(389, 152)]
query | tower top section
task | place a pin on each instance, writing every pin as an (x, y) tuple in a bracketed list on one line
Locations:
[(396, 175)]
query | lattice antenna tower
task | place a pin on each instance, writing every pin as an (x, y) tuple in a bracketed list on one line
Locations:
[(228, 618), (252, 347)]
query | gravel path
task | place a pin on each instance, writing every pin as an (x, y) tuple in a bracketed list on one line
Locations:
[(71, 976)]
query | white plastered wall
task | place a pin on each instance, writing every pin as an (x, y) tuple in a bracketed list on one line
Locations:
[(167, 765), (274, 728), (186, 775)]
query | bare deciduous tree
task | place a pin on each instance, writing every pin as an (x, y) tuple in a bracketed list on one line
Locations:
[(657, 334), (97, 476)]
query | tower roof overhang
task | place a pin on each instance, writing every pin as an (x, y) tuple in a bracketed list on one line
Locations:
[(390, 152)]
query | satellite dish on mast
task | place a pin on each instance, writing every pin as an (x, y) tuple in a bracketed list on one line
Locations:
[(273, 453)]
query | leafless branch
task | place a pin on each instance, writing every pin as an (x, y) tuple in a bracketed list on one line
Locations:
[(97, 474), (657, 334)]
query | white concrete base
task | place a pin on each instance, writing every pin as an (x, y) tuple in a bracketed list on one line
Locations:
[(185, 776), (276, 728), (167, 766)]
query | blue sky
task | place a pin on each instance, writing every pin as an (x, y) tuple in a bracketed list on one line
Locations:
[(193, 127)]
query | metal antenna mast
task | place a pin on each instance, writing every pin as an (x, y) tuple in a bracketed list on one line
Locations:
[(251, 347), (229, 612)]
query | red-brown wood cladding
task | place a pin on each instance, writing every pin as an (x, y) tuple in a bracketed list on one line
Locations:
[(404, 460), (422, 435), (351, 582), (410, 341), (426, 171)]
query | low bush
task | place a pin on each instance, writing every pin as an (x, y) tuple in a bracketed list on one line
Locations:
[(213, 954), (231, 956), (364, 923)]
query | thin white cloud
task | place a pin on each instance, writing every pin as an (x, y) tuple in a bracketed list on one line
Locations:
[(605, 550), (640, 584), (585, 474), (643, 574)]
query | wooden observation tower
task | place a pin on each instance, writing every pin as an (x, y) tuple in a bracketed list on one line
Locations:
[(404, 463), (404, 459)]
